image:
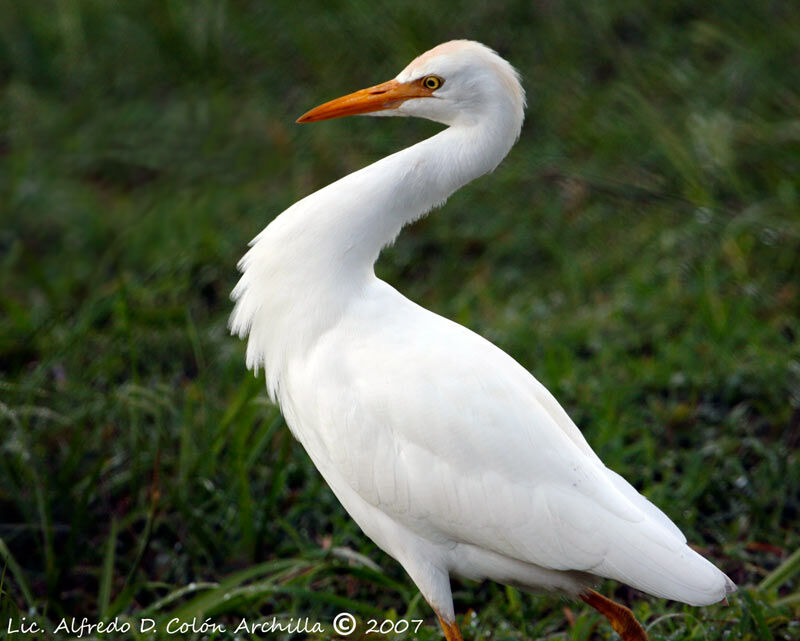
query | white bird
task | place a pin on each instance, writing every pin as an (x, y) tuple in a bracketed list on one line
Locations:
[(446, 452)]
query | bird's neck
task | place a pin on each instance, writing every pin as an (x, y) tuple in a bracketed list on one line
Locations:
[(348, 222), (317, 256)]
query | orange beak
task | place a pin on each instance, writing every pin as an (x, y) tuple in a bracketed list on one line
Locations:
[(387, 95)]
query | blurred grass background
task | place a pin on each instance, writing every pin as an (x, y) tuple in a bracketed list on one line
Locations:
[(639, 251)]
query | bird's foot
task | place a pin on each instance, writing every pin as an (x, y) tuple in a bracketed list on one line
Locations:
[(620, 617)]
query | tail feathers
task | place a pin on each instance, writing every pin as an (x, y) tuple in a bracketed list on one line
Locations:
[(680, 574), (654, 557)]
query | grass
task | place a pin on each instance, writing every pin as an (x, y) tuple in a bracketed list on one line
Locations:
[(639, 251)]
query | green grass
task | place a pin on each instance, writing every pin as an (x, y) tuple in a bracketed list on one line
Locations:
[(639, 251)]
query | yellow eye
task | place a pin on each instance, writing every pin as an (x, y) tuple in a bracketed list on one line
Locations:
[(432, 82)]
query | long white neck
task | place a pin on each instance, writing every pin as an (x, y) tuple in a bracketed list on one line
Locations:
[(309, 263)]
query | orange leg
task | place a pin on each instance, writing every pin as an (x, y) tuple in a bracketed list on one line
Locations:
[(451, 631), (620, 617)]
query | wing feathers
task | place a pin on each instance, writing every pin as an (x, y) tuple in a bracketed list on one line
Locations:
[(451, 438)]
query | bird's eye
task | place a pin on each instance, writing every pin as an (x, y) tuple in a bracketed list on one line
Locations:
[(432, 82)]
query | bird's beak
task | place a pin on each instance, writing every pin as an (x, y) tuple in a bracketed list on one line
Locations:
[(388, 95)]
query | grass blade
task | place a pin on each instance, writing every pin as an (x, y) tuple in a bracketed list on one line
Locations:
[(107, 576), (782, 573), (19, 577)]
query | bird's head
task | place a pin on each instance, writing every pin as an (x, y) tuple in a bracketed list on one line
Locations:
[(458, 82)]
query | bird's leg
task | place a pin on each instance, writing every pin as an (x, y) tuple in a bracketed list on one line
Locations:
[(451, 631), (620, 617)]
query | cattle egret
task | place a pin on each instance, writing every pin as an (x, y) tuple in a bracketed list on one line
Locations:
[(446, 452)]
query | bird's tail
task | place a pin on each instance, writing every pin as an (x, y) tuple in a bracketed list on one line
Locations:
[(653, 556)]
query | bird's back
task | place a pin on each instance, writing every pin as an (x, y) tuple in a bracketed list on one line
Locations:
[(453, 440)]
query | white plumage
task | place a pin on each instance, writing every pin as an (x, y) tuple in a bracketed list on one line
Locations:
[(446, 452)]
